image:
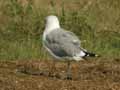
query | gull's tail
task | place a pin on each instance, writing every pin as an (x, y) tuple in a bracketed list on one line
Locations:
[(83, 54), (89, 54)]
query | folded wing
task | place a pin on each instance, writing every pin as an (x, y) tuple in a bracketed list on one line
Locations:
[(63, 43)]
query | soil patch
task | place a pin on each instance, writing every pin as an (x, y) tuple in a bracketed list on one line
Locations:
[(99, 74)]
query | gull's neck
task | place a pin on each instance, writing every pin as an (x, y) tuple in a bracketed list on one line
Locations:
[(52, 23), (51, 27)]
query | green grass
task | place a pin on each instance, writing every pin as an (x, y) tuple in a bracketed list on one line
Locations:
[(21, 28)]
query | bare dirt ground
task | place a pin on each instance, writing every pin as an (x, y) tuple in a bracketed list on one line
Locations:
[(100, 74)]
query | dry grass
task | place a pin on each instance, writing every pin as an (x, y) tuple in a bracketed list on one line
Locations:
[(98, 74)]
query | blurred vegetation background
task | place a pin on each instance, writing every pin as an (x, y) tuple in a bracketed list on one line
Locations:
[(22, 24)]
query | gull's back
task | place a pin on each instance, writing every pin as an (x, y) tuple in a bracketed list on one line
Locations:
[(63, 43)]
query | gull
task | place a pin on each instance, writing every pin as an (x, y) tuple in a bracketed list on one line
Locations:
[(63, 44)]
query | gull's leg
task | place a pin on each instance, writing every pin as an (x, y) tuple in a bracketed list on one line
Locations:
[(52, 69), (69, 76)]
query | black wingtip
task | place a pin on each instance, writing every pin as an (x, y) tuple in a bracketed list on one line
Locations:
[(89, 54)]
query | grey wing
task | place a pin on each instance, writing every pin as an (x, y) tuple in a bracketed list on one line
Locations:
[(74, 38), (63, 43)]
